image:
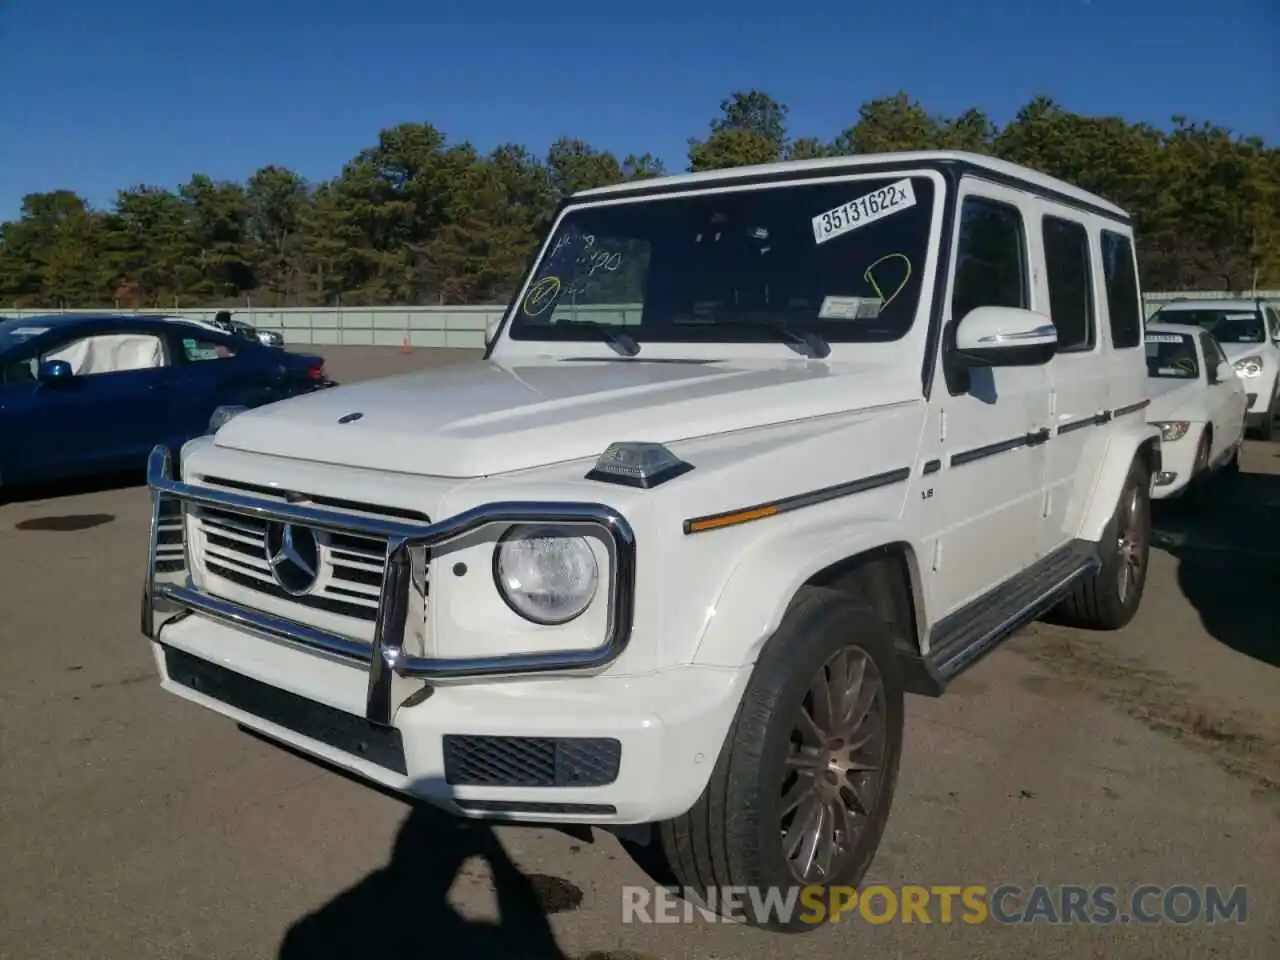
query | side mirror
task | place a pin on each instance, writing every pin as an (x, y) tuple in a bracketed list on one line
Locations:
[(1006, 337), (55, 371), (1224, 373)]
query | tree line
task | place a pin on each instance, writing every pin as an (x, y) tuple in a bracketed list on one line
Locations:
[(417, 219)]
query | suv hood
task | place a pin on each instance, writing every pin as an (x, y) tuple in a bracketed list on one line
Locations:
[(1238, 351), (477, 419)]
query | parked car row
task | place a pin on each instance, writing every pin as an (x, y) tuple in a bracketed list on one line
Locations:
[(1212, 370), (94, 394)]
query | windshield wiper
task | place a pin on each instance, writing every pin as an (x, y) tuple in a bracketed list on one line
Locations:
[(610, 334), (811, 343)]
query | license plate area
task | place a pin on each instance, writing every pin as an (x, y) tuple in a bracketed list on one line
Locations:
[(353, 735)]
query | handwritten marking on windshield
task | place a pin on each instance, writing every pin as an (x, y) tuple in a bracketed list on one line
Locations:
[(869, 276), (541, 296), (591, 258)]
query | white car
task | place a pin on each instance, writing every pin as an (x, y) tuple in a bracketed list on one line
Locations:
[(752, 454), (1198, 403), (1249, 331)]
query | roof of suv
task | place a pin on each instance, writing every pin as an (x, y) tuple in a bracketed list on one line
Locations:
[(1001, 168)]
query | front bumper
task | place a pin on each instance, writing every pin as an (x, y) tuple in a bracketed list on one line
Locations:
[(601, 750), (1177, 462), (556, 746)]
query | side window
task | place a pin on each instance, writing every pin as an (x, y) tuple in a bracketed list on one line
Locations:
[(1124, 306), (1273, 321), (991, 258), (196, 349), (18, 371), (110, 353), (1066, 258)]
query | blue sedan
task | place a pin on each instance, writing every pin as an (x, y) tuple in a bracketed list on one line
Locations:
[(84, 395)]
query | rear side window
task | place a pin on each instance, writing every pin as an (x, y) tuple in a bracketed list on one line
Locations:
[(195, 350), (1066, 258), (1124, 305), (991, 260)]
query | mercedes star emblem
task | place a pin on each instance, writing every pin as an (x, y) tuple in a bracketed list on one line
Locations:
[(293, 554)]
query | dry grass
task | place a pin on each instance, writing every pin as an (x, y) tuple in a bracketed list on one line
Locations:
[(1159, 701)]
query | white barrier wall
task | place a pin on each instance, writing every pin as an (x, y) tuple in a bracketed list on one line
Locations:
[(430, 326)]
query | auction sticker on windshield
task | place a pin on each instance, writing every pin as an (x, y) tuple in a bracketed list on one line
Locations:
[(863, 210)]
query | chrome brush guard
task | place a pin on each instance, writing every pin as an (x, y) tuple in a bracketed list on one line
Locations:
[(170, 595)]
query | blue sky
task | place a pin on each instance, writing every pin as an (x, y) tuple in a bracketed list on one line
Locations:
[(98, 96)]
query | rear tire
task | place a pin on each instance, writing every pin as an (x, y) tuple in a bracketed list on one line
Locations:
[(1109, 600), (790, 761)]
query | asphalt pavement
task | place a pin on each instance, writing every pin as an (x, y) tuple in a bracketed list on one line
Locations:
[(134, 825)]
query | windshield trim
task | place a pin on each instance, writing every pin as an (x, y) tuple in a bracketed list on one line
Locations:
[(933, 246)]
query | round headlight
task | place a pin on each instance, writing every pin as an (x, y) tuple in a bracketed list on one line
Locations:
[(545, 574)]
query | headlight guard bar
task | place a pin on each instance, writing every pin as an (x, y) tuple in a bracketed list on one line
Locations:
[(387, 657)]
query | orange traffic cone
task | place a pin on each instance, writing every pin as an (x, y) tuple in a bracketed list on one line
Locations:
[(404, 347)]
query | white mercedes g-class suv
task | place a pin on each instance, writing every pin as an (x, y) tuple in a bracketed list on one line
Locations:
[(751, 454)]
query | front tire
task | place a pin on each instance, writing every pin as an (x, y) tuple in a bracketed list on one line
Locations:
[(801, 792), (1109, 600)]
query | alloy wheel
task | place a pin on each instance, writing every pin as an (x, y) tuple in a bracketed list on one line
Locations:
[(835, 772)]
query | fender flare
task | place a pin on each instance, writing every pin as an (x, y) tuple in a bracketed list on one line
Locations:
[(1122, 448), (767, 576)]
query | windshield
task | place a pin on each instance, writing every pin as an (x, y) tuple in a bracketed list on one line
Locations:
[(1227, 326), (844, 261), (1172, 356)]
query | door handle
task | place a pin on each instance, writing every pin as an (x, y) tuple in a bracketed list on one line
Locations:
[(1037, 437)]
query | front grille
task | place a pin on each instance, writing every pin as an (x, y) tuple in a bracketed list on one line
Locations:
[(170, 546), (479, 761), (234, 547)]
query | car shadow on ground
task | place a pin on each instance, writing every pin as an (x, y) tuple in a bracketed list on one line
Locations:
[(1228, 552), (402, 910)]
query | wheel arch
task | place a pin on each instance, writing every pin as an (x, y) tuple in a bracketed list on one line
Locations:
[(870, 560), (1140, 444)]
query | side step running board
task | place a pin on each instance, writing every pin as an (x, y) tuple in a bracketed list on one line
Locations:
[(959, 640)]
